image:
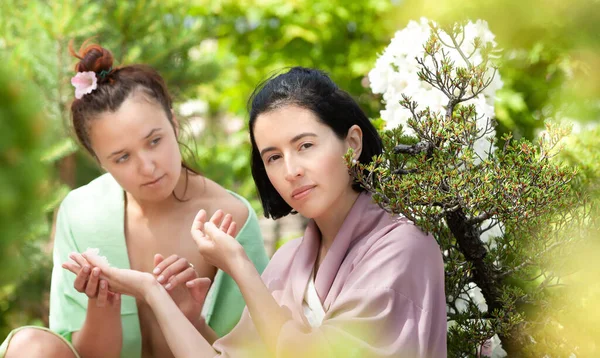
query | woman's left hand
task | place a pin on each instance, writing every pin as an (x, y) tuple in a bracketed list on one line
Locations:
[(215, 240), (128, 282), (175, 272)]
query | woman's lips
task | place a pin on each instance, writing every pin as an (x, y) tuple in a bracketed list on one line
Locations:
[(150, 183), (302, 192)]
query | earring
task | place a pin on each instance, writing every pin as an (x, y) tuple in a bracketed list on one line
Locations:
[(354, 161)]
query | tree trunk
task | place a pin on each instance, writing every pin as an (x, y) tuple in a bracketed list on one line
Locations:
[(470, 245)]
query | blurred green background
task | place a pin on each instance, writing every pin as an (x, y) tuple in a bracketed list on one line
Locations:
[(212, 54)]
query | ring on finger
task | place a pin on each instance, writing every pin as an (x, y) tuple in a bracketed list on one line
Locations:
[(193, 267)]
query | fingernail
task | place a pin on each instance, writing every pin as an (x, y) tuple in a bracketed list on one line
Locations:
[(103, 284), (86, 269), (161, 278), (156, 271), (96, 272), (168, 286)]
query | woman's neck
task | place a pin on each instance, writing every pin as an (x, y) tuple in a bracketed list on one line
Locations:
[(331, 221), (153, 209)]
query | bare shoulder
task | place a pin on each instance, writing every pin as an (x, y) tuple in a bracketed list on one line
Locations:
[(216, 197)]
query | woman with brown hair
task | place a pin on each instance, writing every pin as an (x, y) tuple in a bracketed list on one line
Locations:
[(138, 215)]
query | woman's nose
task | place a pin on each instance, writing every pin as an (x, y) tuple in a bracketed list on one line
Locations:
[(147, 165), (293, 170)]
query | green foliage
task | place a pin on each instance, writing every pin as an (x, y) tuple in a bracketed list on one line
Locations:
[(25, 191), (257, 38), (22, 176)]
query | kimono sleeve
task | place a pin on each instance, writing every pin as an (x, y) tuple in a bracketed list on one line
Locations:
[(67, 306), (391, 305)]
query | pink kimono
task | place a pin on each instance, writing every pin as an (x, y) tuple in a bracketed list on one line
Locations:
[(381, 286)]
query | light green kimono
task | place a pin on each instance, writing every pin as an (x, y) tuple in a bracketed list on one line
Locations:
[(93, 217)]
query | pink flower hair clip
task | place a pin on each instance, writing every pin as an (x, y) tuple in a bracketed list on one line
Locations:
[(84, 83)]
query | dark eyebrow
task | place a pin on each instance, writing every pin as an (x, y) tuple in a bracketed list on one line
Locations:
[(146, 137), (293, 140), (152, 132), (115, 153)]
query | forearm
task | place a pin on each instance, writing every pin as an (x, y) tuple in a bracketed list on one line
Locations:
[(101, 334), (208, 333), (267, 315), (183, 338)]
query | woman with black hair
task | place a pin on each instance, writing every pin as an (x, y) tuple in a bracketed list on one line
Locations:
[(360, 282)]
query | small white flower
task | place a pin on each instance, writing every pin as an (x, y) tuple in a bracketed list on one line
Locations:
[(473, 294), (96, 252)]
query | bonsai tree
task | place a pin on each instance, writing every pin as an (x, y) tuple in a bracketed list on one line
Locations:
[(498, 208)]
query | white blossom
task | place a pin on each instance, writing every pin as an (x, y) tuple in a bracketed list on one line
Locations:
[(96, 252), (395, 73), (492, 348), (472, 293)]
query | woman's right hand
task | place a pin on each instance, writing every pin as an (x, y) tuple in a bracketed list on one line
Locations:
[(88, 281)]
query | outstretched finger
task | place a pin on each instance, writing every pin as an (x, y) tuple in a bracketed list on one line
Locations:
[(158, 258), (186, 275), (180, 264), (213, 231), (71, 266), (217, 217), (164, 264), (227, 220), (232, 229), (199, 220), (78, 258)]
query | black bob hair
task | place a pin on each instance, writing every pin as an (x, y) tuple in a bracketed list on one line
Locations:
[(313, 90)]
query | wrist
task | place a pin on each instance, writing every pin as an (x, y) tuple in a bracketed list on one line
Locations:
[(240, 265), (93, 309), (150, 289)]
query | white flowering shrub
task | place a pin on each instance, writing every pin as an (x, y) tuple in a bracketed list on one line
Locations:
[(396, 73), (485, 203)]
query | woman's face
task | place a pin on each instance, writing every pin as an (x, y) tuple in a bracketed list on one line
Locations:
[(138, 147), (304, 160)]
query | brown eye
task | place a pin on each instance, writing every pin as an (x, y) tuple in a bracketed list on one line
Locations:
[(273, 158)]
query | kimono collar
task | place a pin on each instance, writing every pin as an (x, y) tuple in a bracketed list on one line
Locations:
[(364, 218)]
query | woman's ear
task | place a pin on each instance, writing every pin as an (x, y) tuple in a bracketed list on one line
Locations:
[(354, 139)]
